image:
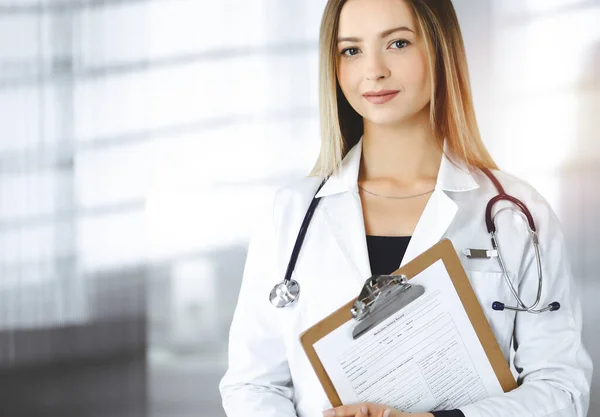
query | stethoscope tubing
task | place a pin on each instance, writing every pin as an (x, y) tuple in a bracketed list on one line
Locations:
[(302, 234), (491, 227)]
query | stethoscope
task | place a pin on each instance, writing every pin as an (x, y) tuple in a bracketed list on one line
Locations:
[(287, 291), (491, 228)]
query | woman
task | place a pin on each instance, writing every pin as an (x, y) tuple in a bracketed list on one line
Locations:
[(402, 159)]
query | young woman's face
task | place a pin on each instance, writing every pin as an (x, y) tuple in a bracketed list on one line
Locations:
[(385, 52)]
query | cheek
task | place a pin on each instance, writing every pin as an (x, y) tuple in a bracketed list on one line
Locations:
[(421, 78), (345, 79)]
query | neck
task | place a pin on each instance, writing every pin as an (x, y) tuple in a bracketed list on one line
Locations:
[(405, 154)]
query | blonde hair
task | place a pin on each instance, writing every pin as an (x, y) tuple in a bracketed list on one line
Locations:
[(452, 115)]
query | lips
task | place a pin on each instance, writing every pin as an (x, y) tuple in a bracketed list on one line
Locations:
[(380, 97), (380, 93)]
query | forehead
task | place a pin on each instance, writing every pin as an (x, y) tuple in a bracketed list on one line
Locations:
[(370, 17)]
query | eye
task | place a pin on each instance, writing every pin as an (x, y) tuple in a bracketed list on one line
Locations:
[(348, 52), (401, 44)]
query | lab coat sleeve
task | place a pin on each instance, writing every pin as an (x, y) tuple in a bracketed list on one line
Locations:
[(257, 381), (554, 368)]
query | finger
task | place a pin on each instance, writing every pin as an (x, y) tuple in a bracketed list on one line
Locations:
[(343, 411), (363, 411)]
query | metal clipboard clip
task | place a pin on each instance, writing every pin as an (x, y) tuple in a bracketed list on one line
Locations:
[(382, 296)]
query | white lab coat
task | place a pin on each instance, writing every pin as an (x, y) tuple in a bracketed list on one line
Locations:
[(269, 374)]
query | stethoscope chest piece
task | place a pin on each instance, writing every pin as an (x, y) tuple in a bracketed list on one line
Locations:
[(284, 293)]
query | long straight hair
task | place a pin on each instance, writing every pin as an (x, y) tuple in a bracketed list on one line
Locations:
[(452, 116)]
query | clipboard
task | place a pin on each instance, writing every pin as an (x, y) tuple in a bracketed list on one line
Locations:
[(383, 295)]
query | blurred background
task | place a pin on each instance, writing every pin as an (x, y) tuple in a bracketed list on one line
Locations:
[(141, 138)]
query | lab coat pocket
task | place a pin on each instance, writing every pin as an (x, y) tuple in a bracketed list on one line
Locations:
[(490, 287)]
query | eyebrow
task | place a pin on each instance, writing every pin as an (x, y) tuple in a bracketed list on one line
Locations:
[(383, 34)]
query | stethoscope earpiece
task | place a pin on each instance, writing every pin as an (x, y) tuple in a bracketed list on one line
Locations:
[(498, 306), (554, 306)]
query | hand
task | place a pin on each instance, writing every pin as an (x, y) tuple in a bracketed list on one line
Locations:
[(369, 410)]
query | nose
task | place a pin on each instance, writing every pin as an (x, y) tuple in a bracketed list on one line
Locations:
[(376, 68)]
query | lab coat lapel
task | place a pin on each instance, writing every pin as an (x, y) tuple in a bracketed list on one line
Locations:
[(453, 177), (343, 213), (435, 219), (345, 219)]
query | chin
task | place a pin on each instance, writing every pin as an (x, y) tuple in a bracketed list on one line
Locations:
[(391, 118)]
